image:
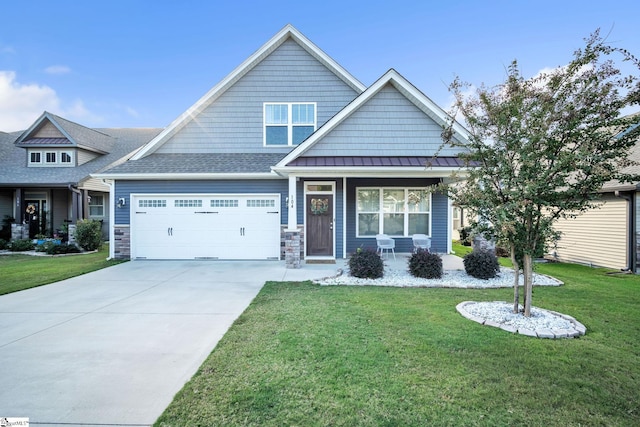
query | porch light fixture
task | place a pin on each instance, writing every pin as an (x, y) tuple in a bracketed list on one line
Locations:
[(121, 202)]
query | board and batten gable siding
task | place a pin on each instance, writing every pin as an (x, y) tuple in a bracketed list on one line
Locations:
[(126, 188), (439, 213), (388, 125), (598, 237), (234, 122)]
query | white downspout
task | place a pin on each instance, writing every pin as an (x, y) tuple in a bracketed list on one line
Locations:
[(112, 212), (449, 225)]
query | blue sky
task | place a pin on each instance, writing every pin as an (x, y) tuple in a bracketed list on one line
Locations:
[(143, 63)]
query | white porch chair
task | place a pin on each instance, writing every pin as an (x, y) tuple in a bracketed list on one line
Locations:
[(385, 243), (421, 241)]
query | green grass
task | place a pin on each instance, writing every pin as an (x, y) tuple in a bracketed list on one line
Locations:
[(306, 355), (24, 271)]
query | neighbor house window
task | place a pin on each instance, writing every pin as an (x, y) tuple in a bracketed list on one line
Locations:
[(400, 212), (65, 158), (96, 205), (288, 123), (35, 157)]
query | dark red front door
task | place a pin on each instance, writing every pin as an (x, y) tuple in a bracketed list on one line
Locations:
[(319, 218)]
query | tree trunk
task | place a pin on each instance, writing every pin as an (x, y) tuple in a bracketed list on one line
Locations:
[(528, 283), (516, 280)]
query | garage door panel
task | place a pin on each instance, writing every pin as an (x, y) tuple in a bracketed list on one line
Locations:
[(206, 226)]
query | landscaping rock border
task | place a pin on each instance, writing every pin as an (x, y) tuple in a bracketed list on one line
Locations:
[(542, 323)]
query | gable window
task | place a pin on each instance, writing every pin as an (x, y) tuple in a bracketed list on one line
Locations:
[(35, 157), (288, 123), (400, 212), (50, 158), (65, 157), (96, 205)]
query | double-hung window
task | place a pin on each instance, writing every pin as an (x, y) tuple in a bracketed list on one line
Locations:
[(400, 212), (288, 123), (96, 205)]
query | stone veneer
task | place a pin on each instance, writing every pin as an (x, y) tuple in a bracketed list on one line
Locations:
[(292, 246), (121, 242)]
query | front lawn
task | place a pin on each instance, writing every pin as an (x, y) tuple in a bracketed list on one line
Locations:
[(308, 355), (20, 272)]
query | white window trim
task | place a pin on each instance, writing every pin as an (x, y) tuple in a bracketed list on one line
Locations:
[(102, 205), (289, 125), (405, 212), (43, 158)]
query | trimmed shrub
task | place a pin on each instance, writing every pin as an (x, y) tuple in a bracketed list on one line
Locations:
[(4, 244), (46, 246), (425, 264), (366, 264), (481, 264), (465, 236), (88, 234), (21, 245), (63, 248)]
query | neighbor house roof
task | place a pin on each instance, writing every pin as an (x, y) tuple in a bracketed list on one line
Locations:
[(73, 135), (287, 33), (13, 157)]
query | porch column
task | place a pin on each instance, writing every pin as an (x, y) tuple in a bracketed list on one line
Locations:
[(292, 234), (292, 224)]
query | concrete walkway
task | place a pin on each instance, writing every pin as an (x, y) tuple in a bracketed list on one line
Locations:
[(113, 347)]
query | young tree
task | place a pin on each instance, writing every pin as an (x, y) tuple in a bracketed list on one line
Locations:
[(541, 148)]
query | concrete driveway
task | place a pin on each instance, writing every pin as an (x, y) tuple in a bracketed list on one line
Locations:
[(113, 347)]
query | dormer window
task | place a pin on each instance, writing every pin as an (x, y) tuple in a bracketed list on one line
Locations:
[(35, 157), (288, 123), (47, 157)]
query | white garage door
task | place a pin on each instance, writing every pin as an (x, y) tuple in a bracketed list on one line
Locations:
[(212, 226)]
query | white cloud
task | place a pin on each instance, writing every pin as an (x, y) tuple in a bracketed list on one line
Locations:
[(21, 104), (57, 69)]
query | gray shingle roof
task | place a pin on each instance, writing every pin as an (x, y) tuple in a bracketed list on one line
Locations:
[(200, 163), (13, 159)]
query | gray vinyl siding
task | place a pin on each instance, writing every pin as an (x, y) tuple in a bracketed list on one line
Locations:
[(126, 188), (234, 121), (439, 212), (387, 125), (60, 207)]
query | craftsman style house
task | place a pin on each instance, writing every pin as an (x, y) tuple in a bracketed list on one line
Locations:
[(290, 157), (45, 173)]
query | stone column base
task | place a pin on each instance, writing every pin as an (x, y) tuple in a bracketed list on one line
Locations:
[(292, 249)]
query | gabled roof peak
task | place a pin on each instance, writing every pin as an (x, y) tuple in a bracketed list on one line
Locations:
[(74, 133), (288, 32)]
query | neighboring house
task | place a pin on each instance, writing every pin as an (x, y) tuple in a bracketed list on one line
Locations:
[(45, 180), (289, 157), (608, 235)]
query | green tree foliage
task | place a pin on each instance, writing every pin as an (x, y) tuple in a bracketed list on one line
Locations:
[(540, 149)]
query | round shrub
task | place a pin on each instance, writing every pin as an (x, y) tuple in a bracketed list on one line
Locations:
[(425, 264), (3, 244), (21, 245), (366, 264), (88, 234), (63, 248), (481, 264)]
